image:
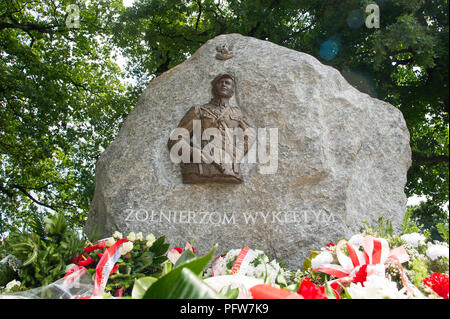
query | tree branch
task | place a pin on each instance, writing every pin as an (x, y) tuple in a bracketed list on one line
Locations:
[(24, 191), (320, 12), (404, 61), (28, 26), (200, 8), (258, 24), (429, 160)]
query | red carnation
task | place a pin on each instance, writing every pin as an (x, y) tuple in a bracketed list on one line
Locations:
[(118, 292), (310, 291), (86, 262), (361, 275), (77, 259), (94, 247), (335, 285), (336, 288), (439, 283)]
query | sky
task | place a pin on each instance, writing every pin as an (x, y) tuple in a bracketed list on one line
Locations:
[(128, 3)]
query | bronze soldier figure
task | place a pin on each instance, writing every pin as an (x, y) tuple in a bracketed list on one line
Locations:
[(216, 114)]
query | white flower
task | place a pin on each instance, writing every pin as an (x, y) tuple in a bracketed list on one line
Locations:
[(117, 235), (375, 287), (150, 240), (321, 260), (436, 250), (258, 265), (219, 267), (110, 241), (268, 271), (139, 236), (131, 236), (231, 255), (126, 247), (413, 239), (356, 240), (10, 285)]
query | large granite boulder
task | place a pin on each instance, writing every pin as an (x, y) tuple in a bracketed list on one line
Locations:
[(343, 157)]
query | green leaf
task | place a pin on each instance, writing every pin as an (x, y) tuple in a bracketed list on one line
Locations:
[(443, 231), (229, 293), (189, 286), (160, 260), (32, 257), (159, 248), (329, 291), (167, 267), (281, 280), (307, 262), (346, 294), (141, 285), (159, 288), (185, 257)]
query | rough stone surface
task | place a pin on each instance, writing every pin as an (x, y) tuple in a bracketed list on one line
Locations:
[(342, 158)]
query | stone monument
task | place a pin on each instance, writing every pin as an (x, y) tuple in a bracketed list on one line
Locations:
[(326, 157)]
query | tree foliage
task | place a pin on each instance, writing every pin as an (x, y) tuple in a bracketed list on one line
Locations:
[(61, 102), (429, 217), (45, 251)]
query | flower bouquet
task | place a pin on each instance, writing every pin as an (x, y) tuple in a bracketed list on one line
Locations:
[(374, 264), (133, 258), (367, 266)]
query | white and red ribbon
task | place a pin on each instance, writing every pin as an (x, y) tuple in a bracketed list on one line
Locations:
[(375, 254), (245, 256), (105, 265), (73, 275)]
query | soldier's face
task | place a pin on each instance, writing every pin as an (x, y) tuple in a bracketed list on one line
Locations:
[(224, 87)]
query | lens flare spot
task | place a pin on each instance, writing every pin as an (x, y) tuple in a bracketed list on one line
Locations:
[(328, 50), (355, 19)]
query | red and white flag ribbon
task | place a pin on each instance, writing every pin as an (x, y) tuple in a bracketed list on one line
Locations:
[(73, 275), (375, 253), (244, 258), (105, 265)]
